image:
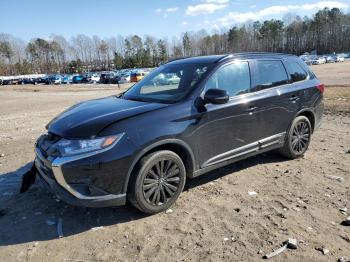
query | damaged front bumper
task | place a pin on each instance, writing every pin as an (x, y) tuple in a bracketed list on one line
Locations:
[(78, 194)]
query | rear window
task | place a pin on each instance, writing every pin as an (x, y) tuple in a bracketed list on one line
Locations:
[(269, 73), (296, 72)]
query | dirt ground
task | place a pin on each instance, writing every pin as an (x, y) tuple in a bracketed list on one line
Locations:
[(333, 74), (215, 219)]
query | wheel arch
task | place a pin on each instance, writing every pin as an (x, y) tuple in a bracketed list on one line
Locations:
[(182, 149), (310, 115)]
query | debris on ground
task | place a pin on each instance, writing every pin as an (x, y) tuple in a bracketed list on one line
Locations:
[(322, 249), (169, 211), (338, 178), (343, 210), (291, 243), (296, 209), (97, 228), (59, 228), (252, 193), (2, 155), (346, 222), (343, 259)]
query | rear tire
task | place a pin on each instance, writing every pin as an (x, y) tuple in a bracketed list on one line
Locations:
[(298, 138), (157, 182)]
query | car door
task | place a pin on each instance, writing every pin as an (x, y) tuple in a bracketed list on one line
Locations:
[(277, 100), (227, 130)]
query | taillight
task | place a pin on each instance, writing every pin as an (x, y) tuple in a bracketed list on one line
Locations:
[(320, 87)]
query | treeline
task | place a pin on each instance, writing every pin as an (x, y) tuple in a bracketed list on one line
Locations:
[(327, 31)]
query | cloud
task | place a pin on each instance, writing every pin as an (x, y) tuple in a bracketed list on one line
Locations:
[(216, 1), (184, 23), (207, 8), (321, 5), (167, 10), (235, 17), (171, 9)]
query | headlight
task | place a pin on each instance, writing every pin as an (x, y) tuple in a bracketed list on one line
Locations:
[(68, 147)]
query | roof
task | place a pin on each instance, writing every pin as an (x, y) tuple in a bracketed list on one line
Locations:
[(199, 59), (219, 58)]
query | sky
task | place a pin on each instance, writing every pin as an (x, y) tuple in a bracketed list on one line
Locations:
[(27, 19)]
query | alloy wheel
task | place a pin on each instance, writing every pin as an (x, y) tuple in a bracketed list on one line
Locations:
[(161, 182), (300, 137)]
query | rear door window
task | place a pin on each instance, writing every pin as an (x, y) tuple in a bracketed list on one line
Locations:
[(269, 73), (295, 71)]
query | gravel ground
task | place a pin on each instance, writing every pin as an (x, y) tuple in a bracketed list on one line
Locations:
[(215, 218)]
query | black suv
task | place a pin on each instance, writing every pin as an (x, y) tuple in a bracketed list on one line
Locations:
[(142, 145)]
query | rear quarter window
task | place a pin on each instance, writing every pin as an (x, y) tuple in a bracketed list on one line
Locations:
[(295, 71), (269, 73), (307, 68)]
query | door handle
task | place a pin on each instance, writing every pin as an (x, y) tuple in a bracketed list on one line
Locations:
[(294, 98)]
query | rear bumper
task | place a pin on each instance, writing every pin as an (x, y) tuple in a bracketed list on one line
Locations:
[(78, 195)]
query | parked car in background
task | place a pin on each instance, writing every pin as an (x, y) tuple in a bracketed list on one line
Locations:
[(137, 76), (41, 80), (104, 78), (95, 78), (124, 78), (88, 76), (143, 145), (108, 78), (339, 58), (307, 59), (26, 81), (5, 82), (319, 61), (330, 59), (79, 79), (53, 79), (67, 79)]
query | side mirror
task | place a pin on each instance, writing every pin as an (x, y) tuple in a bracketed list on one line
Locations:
[(216, 96)]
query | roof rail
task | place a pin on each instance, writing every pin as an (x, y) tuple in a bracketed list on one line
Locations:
[(251, 53), (224, 58)]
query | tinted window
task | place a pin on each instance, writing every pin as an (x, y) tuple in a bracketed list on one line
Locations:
[(296, 72), (234, 78), (269, 74)]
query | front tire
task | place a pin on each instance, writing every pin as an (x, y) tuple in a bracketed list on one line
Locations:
[(298, 138), (158, 182)]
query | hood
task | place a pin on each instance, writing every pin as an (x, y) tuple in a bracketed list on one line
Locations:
[(87, 119)]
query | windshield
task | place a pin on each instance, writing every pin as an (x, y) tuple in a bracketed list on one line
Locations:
[(168, 84)]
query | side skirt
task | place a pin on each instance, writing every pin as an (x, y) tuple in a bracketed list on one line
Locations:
[(241, 153)]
